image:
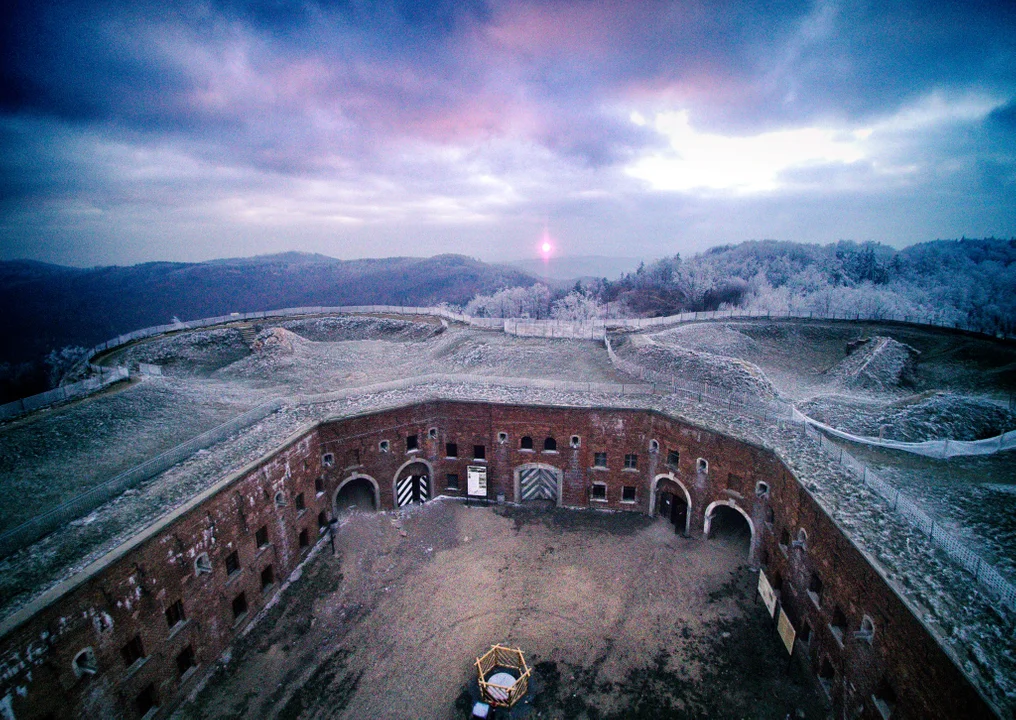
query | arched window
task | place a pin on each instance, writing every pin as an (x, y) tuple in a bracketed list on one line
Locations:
[(550, 444), (502, 437), (802, 539), (280, 499), (654, 446), (867, 631), (761, 489), (202, 565), (575, 441), (702, 465), (526, 443)]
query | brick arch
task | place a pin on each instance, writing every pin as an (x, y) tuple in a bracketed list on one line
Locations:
[(349, 479), (678, 485), (542, 466), (753, 547), (403, 466)]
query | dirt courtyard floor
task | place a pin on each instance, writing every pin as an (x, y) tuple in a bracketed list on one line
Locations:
[(618, 616)]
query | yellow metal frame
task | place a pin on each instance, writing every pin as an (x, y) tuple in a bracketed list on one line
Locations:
[(500, 656)]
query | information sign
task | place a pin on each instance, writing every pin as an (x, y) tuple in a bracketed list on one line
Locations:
[(476, 481), (767, 593), (787, 632)]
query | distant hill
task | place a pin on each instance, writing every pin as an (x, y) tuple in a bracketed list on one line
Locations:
[(579, 266), (50, 306)]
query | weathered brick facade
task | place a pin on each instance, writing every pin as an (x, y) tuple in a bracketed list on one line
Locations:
[(146, 649)]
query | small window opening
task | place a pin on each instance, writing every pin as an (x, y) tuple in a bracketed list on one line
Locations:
[(132, 651), (838, 624), (328, 459), (502, 437), (202, 565), (815, 589), (884, 699), (762, 489), (827, 676), (239, 606), (770, 515), (550, 444), (702, 465), (452, 481), (267, 577), (319, 485), (628, 493), (280, 499), (575, 441), (322, 520), (85, 663), (384, 446), (412, 443), (432, 433), (526, 443), (631, 461), (145, 702), (174, 614), (599, 491), (301, 505), (805, 634), (673, 458), (654, 446), (600, 459), (304, 538), (185, 660), (261, 536), (233, 563), (479, 452), (451, 450)]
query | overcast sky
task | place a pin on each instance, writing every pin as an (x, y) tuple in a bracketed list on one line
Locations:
[(186, 131)]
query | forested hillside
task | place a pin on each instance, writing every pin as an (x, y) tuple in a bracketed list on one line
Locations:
[(49, 309), (946, 281)]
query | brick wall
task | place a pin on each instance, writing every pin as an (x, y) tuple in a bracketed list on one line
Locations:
[(123, 606)]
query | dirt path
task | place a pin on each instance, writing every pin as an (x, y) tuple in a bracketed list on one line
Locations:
[(618, 616)]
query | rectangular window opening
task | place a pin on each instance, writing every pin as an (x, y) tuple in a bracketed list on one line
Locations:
[(479, 452), (132, 651), (233, 563), (451, 450), (267, 577), (412, 442), (628, 493), (261, 536), (185, 660), (452, 481), (239, 606), (174, 614), (600, 459), (631, 461), (599, 491)]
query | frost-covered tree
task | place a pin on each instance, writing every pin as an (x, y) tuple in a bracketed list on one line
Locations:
[(576, 306), (516, 302)]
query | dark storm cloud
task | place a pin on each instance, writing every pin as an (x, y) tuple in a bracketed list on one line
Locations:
[(480, 111)]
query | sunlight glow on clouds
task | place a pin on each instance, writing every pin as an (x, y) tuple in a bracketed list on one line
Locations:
[(757, 163)]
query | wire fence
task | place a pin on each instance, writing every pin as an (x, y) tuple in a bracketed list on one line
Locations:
[(985, 574), (106, 376)]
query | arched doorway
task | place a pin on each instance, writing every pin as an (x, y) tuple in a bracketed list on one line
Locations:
[(538, 482), (726, 521), (412, 483), (357, 493), (672, 501)]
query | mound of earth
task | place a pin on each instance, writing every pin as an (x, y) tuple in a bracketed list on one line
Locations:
[(728, 374), (273, 349), (189, 353), (354, 327), (716, 338), (924, 417), (878, 363)]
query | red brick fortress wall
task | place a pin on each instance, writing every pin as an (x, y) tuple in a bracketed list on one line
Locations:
[(157, 613)]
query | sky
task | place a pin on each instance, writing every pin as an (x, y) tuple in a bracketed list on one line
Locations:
[(188, 131)]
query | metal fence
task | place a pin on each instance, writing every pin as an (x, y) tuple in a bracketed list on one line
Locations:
[(107, 376), (953, 546)]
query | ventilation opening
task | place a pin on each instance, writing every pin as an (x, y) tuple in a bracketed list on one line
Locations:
[(884, 699), (815, 589), (85, 663)]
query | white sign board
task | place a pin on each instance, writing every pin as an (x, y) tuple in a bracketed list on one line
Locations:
[(787, 632), (476, 481), (767, 593)]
